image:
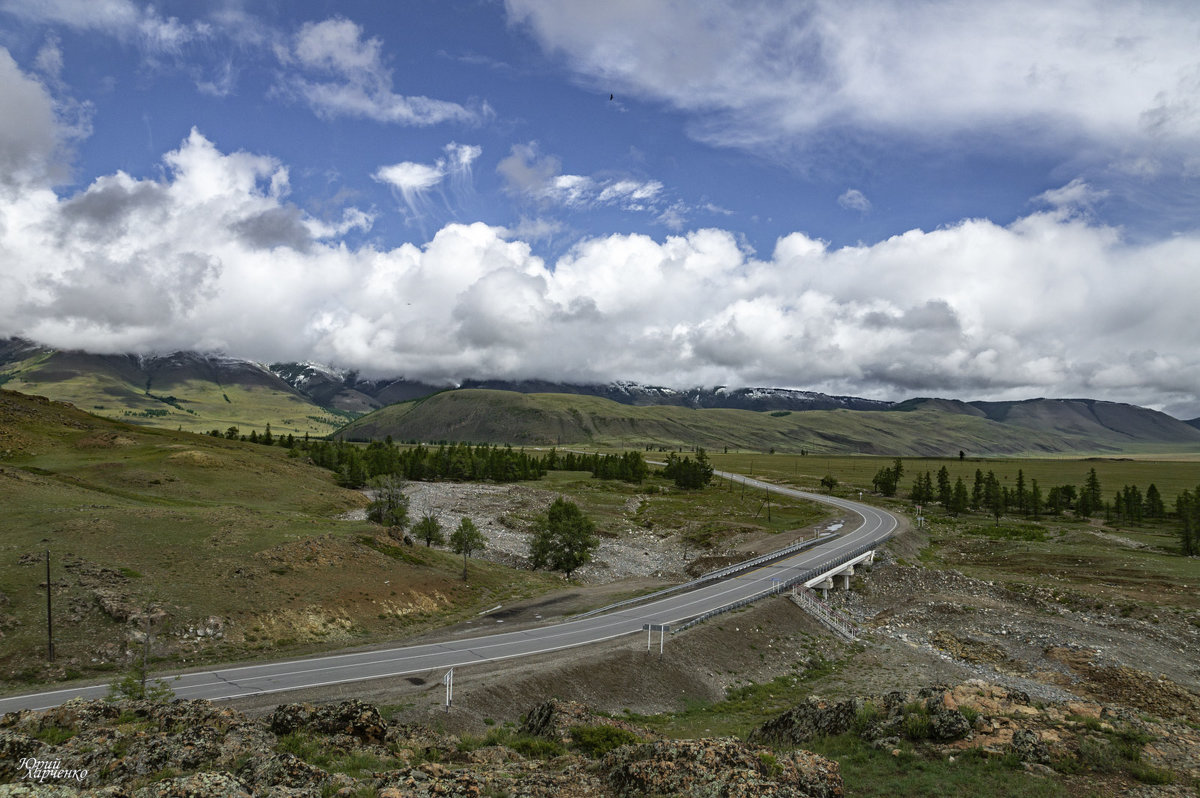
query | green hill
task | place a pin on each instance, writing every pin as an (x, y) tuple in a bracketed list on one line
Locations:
[(224, 536), (916, 428), (185, 390)]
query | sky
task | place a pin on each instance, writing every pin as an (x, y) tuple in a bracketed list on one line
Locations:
[(886, 198)]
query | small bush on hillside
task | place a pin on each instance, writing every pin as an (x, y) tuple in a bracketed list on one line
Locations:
[(596, 741)]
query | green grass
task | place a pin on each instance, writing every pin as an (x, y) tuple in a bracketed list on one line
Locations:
[(706, 517), (1070, 559), (527, 745), (596, 741), (854, 473), (742, 709), (323, 754), (166, 515), (870, 772)]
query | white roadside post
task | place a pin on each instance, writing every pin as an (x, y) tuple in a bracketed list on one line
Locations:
[(662, 630), (448, 680)]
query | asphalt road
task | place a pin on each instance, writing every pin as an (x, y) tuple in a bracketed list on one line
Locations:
[(313, 672)]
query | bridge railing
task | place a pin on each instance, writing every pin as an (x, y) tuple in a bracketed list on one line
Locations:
[(778, 587), (830, 618)]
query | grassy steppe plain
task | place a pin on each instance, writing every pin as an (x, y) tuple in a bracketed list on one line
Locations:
[(204, 528), (208, 527), (1171, 475), (1141, 564)]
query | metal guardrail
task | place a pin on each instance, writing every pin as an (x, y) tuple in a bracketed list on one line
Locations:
[(805, 599), (777, 588), (720, 573)]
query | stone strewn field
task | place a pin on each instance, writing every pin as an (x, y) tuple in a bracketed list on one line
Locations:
[(194, 748)]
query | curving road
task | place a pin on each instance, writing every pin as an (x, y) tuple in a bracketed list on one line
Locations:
[(312, 672)]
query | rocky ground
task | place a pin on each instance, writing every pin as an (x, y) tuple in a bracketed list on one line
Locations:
[(627, 551), (1072, 688), (193, 748), (1054, 646), (563, 749)]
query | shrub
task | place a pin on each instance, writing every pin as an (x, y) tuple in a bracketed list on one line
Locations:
[(770, 763), (134, 685), (596, 741), (917, 726), (536, 747), (866, 717), (54, 735)]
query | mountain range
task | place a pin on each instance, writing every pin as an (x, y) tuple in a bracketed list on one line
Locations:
[(200, 392)]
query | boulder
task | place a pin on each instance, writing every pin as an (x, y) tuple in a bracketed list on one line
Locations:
[(354, 718), (1028, 746), (719, 767), (197, 785), (281, 770), (554, 719), (14, 747), (811, 718)]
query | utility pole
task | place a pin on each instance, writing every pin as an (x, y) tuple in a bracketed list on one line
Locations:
[(145, 651), (49, 616)]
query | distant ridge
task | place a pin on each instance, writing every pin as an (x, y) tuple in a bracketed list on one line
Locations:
[(199, 392), (918, 428), (192, 391)]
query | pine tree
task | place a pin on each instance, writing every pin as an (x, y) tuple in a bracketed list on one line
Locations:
[(1154, 504), (945, 492), (1187, 507), (960, 500), (1090, 498), (993, 496), (977, 490)]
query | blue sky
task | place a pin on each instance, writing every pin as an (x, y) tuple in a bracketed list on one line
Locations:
[(978, 200)]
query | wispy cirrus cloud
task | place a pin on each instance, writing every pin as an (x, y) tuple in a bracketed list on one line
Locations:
[(414, 180), (119, 18), (854, 200), (333, 68)]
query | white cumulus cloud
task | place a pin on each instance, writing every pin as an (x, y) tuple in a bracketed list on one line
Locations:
[(212, 255), (768, 74)]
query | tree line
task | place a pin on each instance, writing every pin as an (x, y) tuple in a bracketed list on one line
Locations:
[(1026, 498), (355, 465)]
